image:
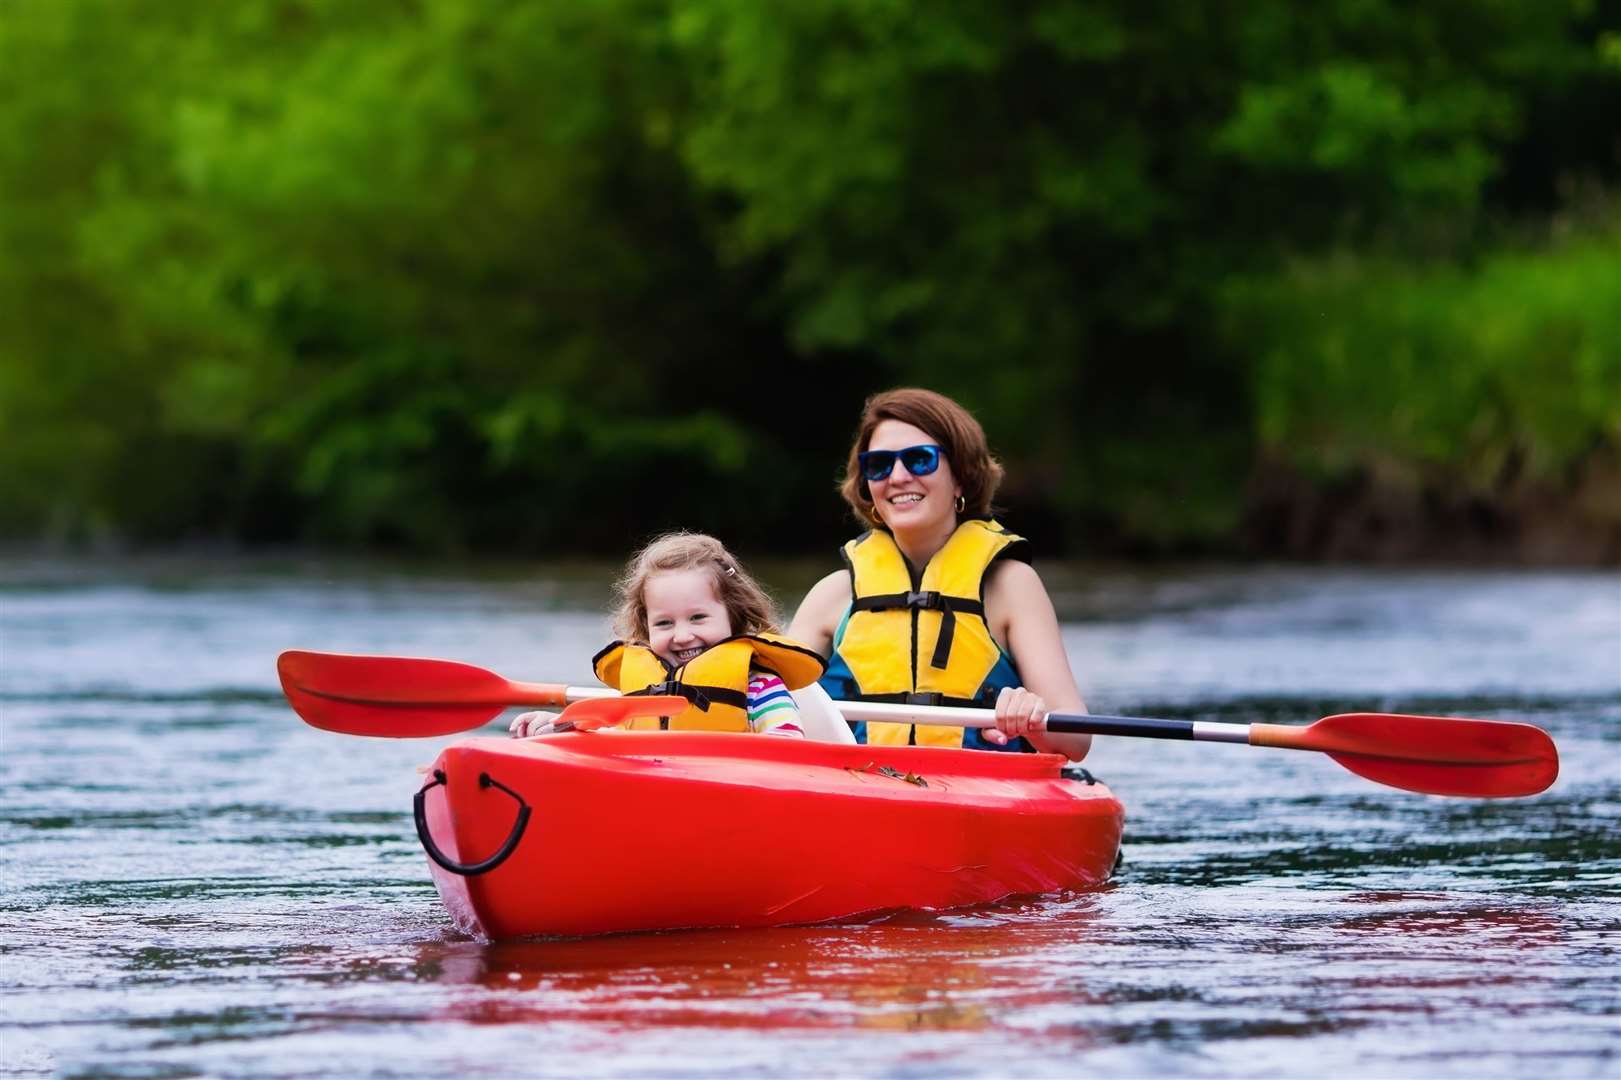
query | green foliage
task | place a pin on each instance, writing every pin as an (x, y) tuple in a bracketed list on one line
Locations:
[(443, 273), (1511, 364), (1062, 189)]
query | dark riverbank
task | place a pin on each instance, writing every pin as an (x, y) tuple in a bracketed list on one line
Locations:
[(1387, 516), (1406, 515)]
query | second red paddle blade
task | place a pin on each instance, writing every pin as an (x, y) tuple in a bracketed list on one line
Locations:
[(1441, 755)]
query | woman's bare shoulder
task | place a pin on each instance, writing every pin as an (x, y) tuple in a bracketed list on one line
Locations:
[(1016, 597), (1014, 579), (831, 594), (819, 613)]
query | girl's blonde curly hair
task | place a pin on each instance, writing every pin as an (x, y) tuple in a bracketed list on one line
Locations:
[(748, 607)]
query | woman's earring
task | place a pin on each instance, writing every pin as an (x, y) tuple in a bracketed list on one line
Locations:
[(961, 504), (872, 516)]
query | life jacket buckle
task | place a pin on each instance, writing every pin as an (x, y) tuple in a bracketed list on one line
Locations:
[(695, 697), (924, 600), (930, 698)]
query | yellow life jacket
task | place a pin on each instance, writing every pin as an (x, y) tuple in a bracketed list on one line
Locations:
[(715, 682), (923, 639)]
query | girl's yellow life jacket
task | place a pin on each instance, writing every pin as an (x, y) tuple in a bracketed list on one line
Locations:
[(715, 682)]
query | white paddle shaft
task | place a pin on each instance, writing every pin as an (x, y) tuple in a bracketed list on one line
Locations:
[(957, 716)]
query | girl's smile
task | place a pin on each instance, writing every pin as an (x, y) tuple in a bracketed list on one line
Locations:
[(684, 615)]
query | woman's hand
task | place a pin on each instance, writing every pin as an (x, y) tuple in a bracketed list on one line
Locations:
[(528, 725), (1019, 712)]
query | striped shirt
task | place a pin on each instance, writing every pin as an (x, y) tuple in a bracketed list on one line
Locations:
[(771, 708)]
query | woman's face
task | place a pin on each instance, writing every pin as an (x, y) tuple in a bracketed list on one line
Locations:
[(905, 502)]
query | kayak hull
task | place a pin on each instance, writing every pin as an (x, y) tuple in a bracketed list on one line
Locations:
[(657, 830)]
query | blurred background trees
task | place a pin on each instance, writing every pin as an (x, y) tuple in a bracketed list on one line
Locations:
[(1285, 278)]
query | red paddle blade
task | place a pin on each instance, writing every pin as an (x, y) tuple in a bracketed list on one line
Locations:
[(394, 721), (1439, 755), (602, 712), (398, 697)]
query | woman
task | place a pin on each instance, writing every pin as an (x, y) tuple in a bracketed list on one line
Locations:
[(937, 603)]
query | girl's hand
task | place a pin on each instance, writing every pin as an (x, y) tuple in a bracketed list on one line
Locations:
[(1018, 713), (528, 725)]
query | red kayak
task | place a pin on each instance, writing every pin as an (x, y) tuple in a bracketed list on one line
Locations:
[(605, 832), (651, 831)]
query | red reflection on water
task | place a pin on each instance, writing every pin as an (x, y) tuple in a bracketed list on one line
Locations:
[(907, 972), (1461, 921), (1423, 943)]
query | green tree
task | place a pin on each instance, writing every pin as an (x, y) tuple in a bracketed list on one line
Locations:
[(440, 273)]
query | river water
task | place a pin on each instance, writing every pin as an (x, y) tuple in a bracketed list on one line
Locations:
[(197, 883)]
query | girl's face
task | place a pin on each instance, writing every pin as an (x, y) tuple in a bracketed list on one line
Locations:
[(904, 501), (684, 616)]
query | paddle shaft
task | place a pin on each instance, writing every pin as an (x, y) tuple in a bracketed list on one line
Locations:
[(953, 716), (1066, 723), (1326, 736), (1277, 736)]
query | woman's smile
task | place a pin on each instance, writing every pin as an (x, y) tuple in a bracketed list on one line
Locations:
[(904, 499)]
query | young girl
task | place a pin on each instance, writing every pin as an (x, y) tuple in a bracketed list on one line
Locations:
[(693, 623)]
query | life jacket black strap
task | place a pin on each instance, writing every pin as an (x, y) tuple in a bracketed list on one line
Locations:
[(699, 696), (986, 700), (948, 606)]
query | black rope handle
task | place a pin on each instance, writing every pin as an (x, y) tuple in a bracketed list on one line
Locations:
[(420, 805)]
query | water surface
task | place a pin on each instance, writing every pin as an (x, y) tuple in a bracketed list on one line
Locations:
[(196, 883)]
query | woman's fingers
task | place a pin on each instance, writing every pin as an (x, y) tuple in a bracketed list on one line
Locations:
[(1018, 713)]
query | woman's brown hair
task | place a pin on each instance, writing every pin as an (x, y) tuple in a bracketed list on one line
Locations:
[(748, 607), (948, 424)]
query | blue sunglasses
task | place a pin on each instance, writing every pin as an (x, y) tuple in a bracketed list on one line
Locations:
[(878, 464)]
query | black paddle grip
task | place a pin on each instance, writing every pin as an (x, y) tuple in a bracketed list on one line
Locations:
[(1087, 724)]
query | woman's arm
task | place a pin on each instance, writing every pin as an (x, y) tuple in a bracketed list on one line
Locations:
[(819, 613), (1022, 619)]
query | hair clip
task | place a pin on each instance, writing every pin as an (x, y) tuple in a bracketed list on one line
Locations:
[(731, 571)]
